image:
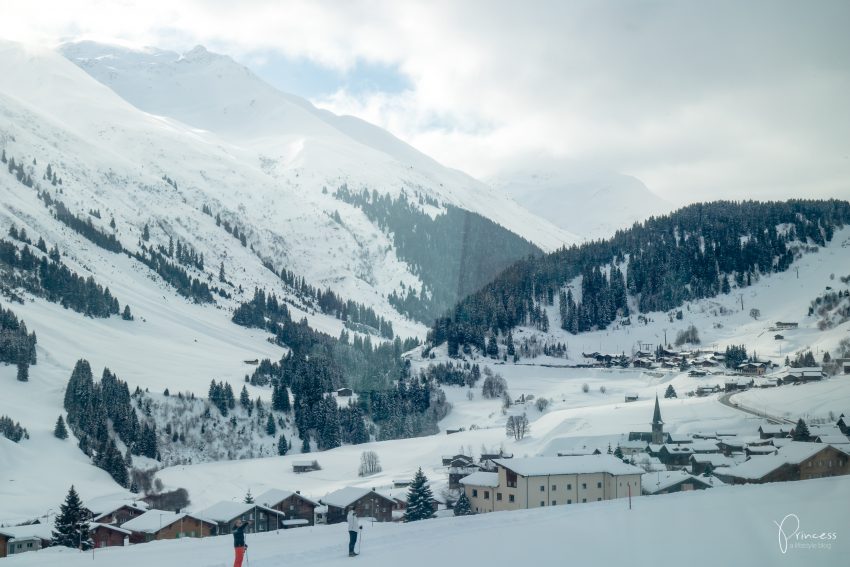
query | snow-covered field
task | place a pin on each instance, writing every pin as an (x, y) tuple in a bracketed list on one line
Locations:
[(730, 525)]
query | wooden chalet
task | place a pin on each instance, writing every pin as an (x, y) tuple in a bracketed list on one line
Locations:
[(162, 524), (305, 466), (366, 504), (292, 504)]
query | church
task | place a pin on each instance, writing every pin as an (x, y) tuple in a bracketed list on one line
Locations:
[(657, 435)]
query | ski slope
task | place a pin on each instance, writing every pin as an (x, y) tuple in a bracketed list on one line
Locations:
[(732, 525)]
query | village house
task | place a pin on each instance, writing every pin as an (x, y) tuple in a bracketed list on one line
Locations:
[(782, 326), (366, 503), (631, 397), (299, 510), (118, 513), (842, 364), (794, 461), (109, 535), (161, 524), (803, 374), (305, 466), (667, 482), (702, 463), (551, 481), (21, 539), (226, 513), (657, 435), (752, 368), (344, 393)]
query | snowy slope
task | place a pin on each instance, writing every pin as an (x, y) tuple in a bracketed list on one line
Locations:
[(732, 525), (292, 138), (590, 202)]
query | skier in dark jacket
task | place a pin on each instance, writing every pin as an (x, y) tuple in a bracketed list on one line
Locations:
[(239, 542)]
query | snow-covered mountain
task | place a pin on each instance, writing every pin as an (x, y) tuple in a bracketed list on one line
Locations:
[(591, 202)]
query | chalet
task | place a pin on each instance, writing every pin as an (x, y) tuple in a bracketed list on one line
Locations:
[(226, 513), (794, 461), (578, 452), (666, 482), (21, 539), (778, 337), (842, 364), (770, 430), (675, 455), (633, 446), (643, 363), (161, 524), (457, 460), (366, 503), (707, 390), (752, 368), (461, 470), (299, 510), (551, 481), (707, 462), (782, 326), (737, 384), (631, 397), (344, 393), (697, 373), (305, 466), (402, 482), (119, 513), (109, 535), (803, 374), (839, 441), (767, 382)]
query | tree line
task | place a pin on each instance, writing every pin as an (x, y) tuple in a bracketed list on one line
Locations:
[(693, 253)]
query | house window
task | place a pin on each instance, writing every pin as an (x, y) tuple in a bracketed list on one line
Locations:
[(598, 499), (584, 499), (486, 494), (475, 493), (554, 502), (542, 488), (598, 485), (542, 503), (554, 488), (498, 496), (510, 478), (569, 486), (569, 501), (584, 486), (510, 497)]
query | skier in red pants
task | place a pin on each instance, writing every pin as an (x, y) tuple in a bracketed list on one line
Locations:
[(239, 542)]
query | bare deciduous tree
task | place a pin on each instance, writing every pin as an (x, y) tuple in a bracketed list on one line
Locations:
[(369, 463)]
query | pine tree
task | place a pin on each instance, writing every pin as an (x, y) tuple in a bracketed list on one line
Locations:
[(419, 498), (221, 277), (462, 506), (60, 431), (245, 400), (801, 431), (127, 315), (146, 233), (71, 527), (282, 445), (305, 444), (23, 372), (249, 499), (670, 393), (271, 428), (618, 452)]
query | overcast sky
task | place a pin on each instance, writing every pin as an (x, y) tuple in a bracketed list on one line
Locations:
[(698, 99)]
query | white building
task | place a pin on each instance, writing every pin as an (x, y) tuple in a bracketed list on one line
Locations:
[(551, 481)]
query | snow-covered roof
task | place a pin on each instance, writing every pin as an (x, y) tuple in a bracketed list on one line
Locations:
[(152, 521), (347, 496), (584, 464), (226, 511), (95, 525), (275, 496), (792, 453), (714, 459), (489, 479), (661, 480), (833, 439), (107, 504), (774, 428), (41, 531)]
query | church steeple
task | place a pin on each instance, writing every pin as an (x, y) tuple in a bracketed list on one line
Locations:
[(656, 417), (657, 425)]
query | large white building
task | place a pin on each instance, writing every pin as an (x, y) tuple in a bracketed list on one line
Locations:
[(551, 481)]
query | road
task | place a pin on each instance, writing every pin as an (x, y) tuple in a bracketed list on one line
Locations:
[(724, 399)]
